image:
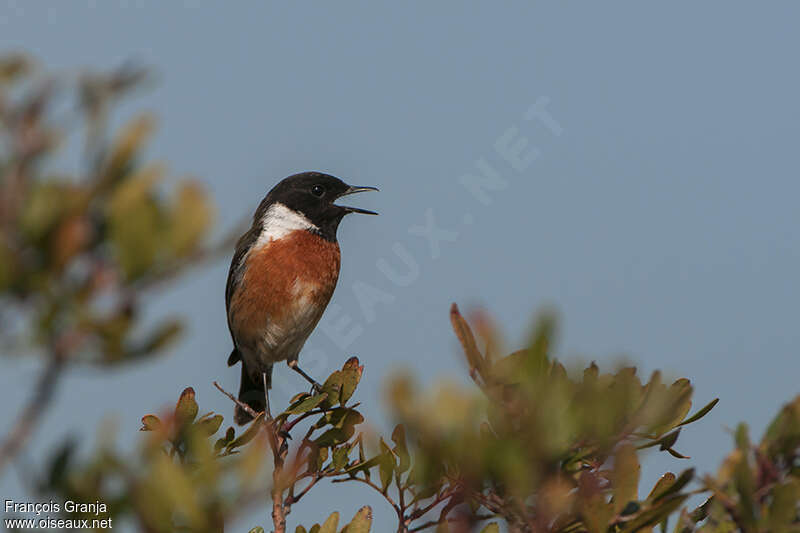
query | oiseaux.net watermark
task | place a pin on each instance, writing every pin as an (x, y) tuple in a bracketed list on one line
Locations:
[(51, 515), (513, 153)]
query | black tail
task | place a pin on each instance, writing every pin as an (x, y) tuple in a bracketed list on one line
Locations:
[(251, 393)]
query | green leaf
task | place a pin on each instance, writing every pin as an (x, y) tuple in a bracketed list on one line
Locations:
[(664, 443), (491, 528), (330, 524), (361, 522), (744, 480), (701, 413), (223, 442), (351, 376), (341, 418), (742, 438), (306, 404), (136, 222), (332, 387), (401, 449), (335, 436), (655, 514), (661, 485), (363, 466), (186, 408), (209, 426), (189, 218), (14, 65), (683, 479), (537, 360), (257, 529), (669, 440), (625, 477), (783, 509), (386, 465), (150, 423), (300, 529), (680, 398), (701, 511), (249, 434), (467, 339), (677, 455), (317, 458), (44, 208), (340, 457), (630, 508)]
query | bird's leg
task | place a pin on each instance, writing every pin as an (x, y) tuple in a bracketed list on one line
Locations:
[(314, 385), (267, 413)]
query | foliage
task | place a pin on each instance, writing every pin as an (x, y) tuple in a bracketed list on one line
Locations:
[(530, 446), (757, 488), (174, 480), (76, 250), (536, 448), (544, 450), (79, 250), (539, 449)]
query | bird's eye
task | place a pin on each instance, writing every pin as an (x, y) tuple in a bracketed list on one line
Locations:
[(318, 190)]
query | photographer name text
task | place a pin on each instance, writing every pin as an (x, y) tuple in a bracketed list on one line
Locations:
[(44, 512)]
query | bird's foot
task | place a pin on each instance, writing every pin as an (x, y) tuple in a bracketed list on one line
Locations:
[(315, 387)]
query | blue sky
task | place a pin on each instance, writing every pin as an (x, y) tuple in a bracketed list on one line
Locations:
[(653, 204)]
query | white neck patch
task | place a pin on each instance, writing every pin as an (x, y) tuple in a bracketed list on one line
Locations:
[(279, 221)]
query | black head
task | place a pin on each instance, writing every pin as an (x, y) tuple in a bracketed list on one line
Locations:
[(313, 194)]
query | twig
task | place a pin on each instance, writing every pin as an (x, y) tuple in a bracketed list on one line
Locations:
[(422, 511), (296, 498), (33, 411), (395, 506), (401, 494), (290, 425), (279, 451), (249, 410), (371, 484)]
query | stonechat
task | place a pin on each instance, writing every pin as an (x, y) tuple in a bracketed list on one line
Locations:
[(282, 276)]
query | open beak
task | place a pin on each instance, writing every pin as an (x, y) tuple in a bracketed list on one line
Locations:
[(353, 190)]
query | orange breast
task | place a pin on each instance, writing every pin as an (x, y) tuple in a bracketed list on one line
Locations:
[(288, 279)]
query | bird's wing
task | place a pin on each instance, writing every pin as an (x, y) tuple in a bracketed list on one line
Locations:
[(236, 270), (235, 276)]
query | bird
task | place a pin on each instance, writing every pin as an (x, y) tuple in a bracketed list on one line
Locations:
[(283, 273)]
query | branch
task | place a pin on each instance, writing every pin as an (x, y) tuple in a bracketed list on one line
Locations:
[(388, 498), (278, 436), (279, 450), (293, 499), (34, 410), (371, 484), (422, 511), (278, 514), (249, 410)]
